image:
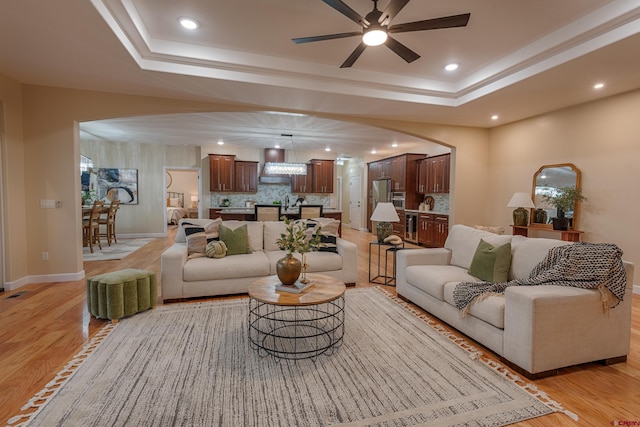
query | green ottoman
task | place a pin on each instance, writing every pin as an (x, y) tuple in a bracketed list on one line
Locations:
[(121, 293)]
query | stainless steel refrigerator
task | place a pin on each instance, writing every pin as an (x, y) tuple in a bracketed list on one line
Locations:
[(381, 191)]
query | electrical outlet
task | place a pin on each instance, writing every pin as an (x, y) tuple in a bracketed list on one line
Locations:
[(45, 256)]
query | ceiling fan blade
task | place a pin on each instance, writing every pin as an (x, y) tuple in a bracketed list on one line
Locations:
[(354, 55), (391, 11), (299, 40), (400, 49), (432, 24), (348, 12)]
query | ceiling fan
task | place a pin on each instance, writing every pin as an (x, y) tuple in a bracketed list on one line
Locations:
[(376, 29)]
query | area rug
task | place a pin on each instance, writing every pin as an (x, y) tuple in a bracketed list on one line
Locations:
[(115, 251), (190, 364)]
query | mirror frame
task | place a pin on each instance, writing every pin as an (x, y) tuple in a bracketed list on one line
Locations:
[(576, 209)]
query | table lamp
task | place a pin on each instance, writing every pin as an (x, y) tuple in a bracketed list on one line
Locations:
[(384, 214), (194, 201), (521, 201)]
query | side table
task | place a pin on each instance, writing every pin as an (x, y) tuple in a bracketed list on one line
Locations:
[(386, 248)]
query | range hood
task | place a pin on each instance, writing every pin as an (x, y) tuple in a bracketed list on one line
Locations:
[(276, 170)]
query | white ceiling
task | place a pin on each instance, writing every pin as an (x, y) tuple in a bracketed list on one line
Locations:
[(517, 59)]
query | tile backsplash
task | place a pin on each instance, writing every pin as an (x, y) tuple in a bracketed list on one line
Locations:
[(267, 194)]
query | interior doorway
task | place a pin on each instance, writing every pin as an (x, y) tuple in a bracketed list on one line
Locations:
[(355, 201), (182, 185)]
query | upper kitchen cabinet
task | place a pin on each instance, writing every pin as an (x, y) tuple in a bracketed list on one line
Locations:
[(303, 183), (398, 173), (433, 174), (322, 176), (222, 175), (246, 176)]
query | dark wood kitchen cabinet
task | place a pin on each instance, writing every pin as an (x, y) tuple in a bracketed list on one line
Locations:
[(303, 183), (322, 176), (433, 230), (221, 172), (434, 174), (246, 176)]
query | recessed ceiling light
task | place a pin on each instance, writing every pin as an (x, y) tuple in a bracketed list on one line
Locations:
[(598, 85), (327, 149), (276, 146), (451, 67), (494, 117), (395, 144), (373, 151), (220, 142), (188, 23)]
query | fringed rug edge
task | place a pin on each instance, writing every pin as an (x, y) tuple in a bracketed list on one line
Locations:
[(477, 354), (49, 391)]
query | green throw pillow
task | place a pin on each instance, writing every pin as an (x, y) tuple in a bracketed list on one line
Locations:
[(237, 241), (491, 263)]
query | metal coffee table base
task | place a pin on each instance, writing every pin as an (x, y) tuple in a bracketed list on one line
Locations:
[(296, 332)]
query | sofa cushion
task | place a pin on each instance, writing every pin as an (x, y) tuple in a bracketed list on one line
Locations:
[(490, 309), (272, 232), (463, 241), (236, 240), (527, 252), (431, 278), (317, 261), (255, 230), (491, 263), (255, 264)]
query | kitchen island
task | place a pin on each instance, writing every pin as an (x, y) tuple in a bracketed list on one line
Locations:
[(248, 214)]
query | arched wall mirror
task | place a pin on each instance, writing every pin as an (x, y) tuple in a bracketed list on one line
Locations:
[(546, 181)]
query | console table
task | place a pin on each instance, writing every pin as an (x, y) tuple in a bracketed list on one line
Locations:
[(567, 235)]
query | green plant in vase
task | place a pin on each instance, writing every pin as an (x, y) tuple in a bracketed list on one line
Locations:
[(564, 200), (296, 238)]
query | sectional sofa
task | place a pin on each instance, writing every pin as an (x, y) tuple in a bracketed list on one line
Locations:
[(185, 275), (535, 329)]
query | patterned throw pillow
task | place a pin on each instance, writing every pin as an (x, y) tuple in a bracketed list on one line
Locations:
[(198, 236), (328, 233), (491, 263), (237, 241)]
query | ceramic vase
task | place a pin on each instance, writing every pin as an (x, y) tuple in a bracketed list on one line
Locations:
[(288, 269)]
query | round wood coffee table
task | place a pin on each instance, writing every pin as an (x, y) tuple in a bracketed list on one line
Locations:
[(295, 326)]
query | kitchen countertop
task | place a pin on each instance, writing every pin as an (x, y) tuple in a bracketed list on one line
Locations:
[(230, 210), (416, 211)]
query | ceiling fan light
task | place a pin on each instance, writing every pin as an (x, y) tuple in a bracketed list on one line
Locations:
[(374, 36)]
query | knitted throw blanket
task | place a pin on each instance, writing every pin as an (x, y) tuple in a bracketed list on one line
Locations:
[(581, 265)]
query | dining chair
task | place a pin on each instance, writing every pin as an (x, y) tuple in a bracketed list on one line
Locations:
[(109, 222), (310, 211), (91, 226), (268, 212)]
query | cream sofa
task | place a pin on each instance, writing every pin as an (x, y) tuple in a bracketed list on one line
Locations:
[(187, 277), (535, 329)]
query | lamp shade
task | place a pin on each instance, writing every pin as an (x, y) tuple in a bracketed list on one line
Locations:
[(385, 212), (194, 198), (521, 200)]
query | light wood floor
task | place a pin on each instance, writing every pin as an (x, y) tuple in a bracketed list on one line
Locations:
[(41, 329)]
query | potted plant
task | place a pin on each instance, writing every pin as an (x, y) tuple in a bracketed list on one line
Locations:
[(296, 238), (564, 200), (88, 197)]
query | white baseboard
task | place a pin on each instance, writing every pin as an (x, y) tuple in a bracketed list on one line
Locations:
[(44, 278)]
